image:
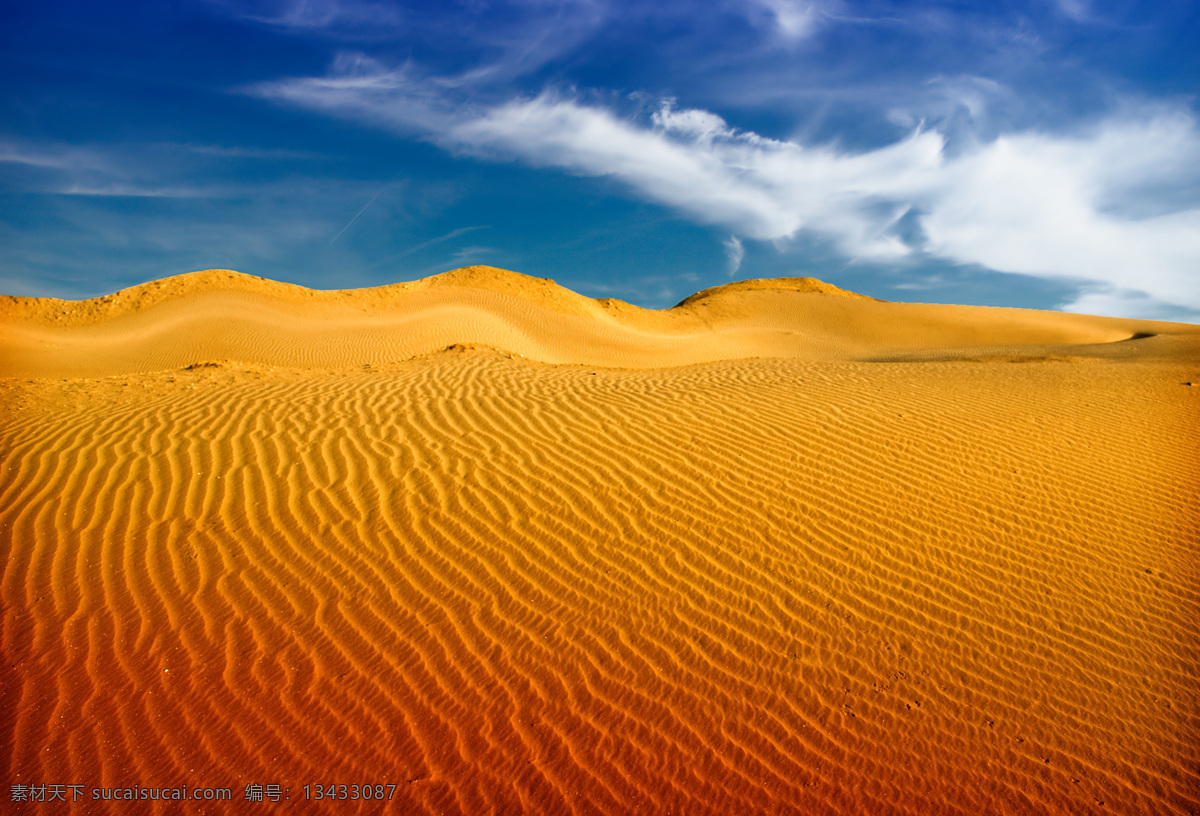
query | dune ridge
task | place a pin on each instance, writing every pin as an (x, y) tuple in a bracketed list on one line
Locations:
[(220, 314), (748, 584)]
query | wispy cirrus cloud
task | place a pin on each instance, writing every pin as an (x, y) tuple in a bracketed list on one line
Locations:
[(735, 253), (1078, 10), (331, 17), (870, 140), (94, 171), (65, 158), (1113, 204), (150, 170), (254, 153), (794, 19), (496, 41)]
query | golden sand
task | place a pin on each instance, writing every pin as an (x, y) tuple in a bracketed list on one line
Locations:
[(781, 549)]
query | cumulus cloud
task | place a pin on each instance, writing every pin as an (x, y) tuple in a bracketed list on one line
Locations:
[(1115, 205)]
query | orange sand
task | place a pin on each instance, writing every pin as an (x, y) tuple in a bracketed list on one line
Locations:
[(781, 549)]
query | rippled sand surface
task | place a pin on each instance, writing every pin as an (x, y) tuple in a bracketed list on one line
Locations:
[(781, 549)]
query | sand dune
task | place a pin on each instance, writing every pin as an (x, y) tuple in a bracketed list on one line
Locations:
[(781, 549), (220, 314)]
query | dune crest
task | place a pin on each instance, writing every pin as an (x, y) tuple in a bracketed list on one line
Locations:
[(811, 285), (214, 314)]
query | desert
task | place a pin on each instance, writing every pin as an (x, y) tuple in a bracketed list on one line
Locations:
[(479, 544)]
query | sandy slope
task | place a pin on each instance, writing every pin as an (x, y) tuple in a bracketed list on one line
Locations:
[(219, 314), (781, 549)]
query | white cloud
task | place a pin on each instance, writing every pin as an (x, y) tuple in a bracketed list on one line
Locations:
[(473, 254), (734, 253), (51, 158), (507, 38), (238, 152), (137, 191), (1078, 10), (1115, 205), (699, 125), (319, 15), (765, 189), (360, 87), (114, 171), (1115, 302), (795, 19), (1055, 206)]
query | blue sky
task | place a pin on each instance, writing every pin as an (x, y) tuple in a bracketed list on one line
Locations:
[(1042, 155)]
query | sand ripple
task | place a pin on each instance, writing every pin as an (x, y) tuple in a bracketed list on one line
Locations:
[(757, 586)]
